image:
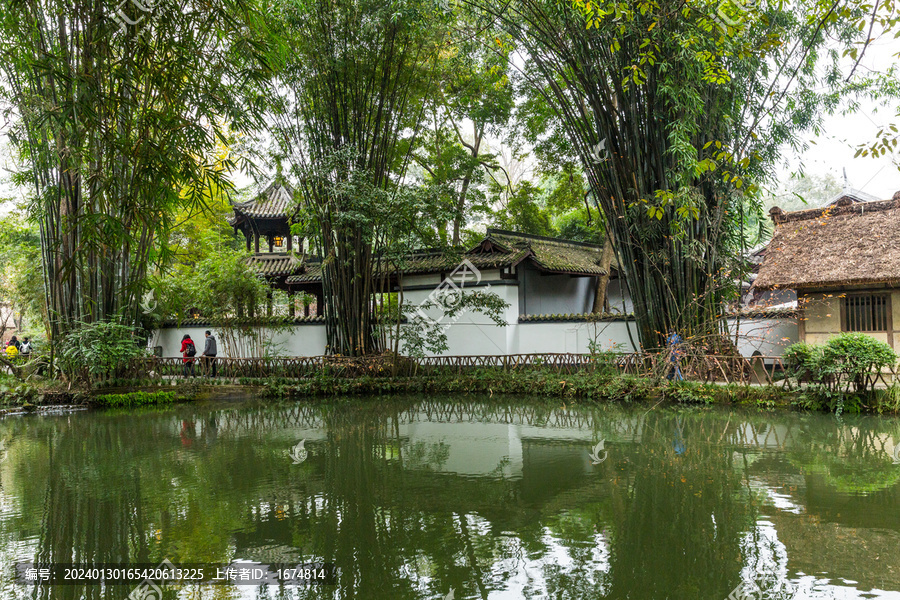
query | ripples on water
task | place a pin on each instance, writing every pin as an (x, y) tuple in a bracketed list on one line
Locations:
[(492, 500)]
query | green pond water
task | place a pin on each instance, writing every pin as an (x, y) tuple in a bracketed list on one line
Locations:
[(439, 498)]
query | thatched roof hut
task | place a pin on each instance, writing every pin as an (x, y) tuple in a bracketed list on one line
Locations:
[(844, 244)]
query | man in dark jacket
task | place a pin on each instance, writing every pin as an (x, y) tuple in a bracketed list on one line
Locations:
[(209, 355)]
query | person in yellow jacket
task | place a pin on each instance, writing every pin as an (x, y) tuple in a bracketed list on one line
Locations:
[(11, 352)]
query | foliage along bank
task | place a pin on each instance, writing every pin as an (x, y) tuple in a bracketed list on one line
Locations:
[(578, 387)]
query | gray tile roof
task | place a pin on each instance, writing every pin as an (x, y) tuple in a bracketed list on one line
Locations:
[(275, 202)]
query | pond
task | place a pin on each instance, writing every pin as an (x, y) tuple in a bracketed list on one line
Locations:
[(442, 498)]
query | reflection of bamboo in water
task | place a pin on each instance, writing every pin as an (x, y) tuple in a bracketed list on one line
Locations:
[(71, 530), (477, 573)]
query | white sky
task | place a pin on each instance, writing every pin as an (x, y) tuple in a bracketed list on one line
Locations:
[(833, 151)]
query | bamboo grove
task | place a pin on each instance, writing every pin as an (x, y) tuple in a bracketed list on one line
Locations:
[(116, 110), (675, 116), (354, 72)]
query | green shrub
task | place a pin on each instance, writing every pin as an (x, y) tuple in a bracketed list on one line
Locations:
[(99, 351), (12, 391), (135, 399), (691, 392), (801, 360), (842, 372), (888, 400), (606, 361), (857, 358)]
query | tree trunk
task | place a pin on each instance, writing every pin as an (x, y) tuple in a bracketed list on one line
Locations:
[(606, 258)]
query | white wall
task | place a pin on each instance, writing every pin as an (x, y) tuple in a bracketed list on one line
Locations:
[(552, 337), (618, 298), (299, 340), (769, 337), (474, 334)]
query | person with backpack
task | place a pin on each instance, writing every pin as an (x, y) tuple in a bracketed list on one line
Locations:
[(188, 351), (674, 342), (25, 348)]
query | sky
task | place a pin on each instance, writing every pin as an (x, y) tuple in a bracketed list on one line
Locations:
[(833, 151)]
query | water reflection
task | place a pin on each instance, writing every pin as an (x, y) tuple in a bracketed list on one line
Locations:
[(490, 499)]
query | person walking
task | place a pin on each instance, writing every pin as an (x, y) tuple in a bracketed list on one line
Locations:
[(25, 348), (188, 351), (14, 341), (674, 342), (209, 355)]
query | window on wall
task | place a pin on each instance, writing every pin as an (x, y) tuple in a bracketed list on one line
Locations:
[(866, 312)]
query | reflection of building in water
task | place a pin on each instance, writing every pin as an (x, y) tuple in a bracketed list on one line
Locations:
[(498, 465), (763, 435), (505, 449)]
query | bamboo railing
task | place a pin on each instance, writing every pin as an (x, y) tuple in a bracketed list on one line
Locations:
[(756, 370)]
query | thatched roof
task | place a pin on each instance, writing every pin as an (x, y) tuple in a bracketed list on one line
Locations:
[(848, 243)]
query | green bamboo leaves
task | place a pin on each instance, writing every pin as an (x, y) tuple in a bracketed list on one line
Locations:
[(118, 129)]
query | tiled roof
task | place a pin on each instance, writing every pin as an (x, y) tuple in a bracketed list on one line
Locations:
[(551, 254), (575, 317), (274, 264), (499, 249), (312, 272), (433, 262), (766, 312), (427, 262), (273, 320), (275, 202)]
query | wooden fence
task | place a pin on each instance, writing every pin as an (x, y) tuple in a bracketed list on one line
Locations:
[(759, 370)]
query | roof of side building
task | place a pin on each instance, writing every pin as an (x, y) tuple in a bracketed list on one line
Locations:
[(846, 243)]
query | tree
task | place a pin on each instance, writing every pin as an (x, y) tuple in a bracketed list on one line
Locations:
[(674, 117), (21, 286), (470, 103), (804, 191), (218, 281), (521, 209), (117, 108), (194, 224), (350, 85), (799, 193)]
